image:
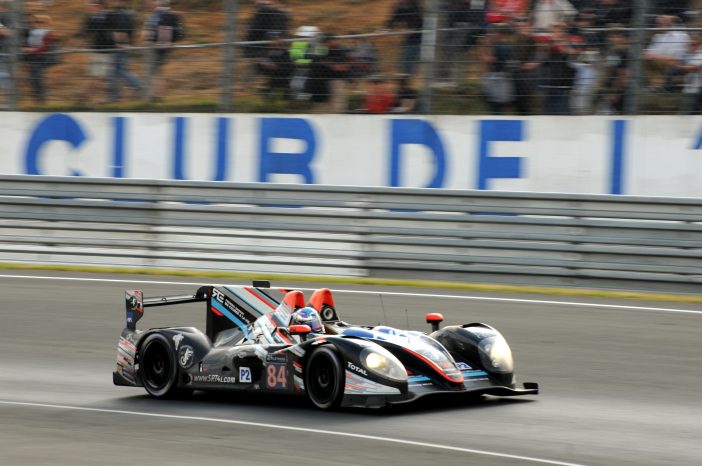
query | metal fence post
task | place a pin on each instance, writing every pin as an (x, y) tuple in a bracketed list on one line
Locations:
[(229, 53), (638, 36), (428, 54)]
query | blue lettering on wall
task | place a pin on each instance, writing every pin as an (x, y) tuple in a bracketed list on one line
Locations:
[(283, 162), (414, 131), (498, 167), (698, 142), (56, 127), (618, 135), (118, 155), (221, 148)]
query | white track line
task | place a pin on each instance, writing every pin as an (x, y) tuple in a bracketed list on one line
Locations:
[(292, 428), (389, 293)]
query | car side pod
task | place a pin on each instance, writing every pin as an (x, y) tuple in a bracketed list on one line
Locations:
[(434, 318)]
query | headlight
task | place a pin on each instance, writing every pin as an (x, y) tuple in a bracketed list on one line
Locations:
[(383, 363), (496, 355)]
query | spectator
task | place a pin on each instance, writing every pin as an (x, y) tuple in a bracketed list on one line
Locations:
[(269, 17), (465, 19), (498, 57), (39, 42), (6, 32), (409, 14), (559, 74), (679, 8), (98, 32), (277, 66), (326, 83), (586, 78), (549, 12), (406, 96), (612, 12), (378, 98), (121, 22), (664, 54), (692, 69), (616, 73), (162, 28), (526, 64), (363, 57), (301, 51), (504, 11)]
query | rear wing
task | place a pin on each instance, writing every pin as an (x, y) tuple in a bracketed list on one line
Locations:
[(135, 303), (227, 307)]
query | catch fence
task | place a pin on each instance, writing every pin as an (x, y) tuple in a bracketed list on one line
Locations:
[(362, 56)]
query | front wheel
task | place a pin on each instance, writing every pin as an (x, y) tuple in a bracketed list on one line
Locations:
[(324, 378), (158, 367)]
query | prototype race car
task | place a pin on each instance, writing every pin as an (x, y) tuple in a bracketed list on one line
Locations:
[(253, 342)]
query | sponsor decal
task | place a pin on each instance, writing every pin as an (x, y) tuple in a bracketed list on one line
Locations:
[(229, 305), (244, 375), (355, 368), (276, 357), (463, 366), (356, 385), (177, 339), (214, 378), (218, 295), (185, 356)]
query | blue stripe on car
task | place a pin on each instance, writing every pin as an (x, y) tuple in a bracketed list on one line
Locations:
[(231, 317)]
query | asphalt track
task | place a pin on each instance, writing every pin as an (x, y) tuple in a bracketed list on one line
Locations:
[(620, 386)]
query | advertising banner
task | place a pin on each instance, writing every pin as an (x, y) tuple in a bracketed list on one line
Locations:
[(646, 155)]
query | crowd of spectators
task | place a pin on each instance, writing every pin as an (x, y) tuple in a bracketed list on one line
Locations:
[(556, 57), (109, 31)]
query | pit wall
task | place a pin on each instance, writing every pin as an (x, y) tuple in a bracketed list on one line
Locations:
[(643, 155)]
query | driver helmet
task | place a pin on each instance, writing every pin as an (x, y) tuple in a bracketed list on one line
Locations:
[(310, 317)]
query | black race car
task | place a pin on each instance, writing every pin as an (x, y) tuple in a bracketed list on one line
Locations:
[(251, 343)]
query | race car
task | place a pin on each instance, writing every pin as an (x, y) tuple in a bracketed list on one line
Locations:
[(255, 341)]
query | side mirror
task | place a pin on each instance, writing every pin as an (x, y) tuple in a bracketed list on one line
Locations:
[(303, 330), (434, 319)]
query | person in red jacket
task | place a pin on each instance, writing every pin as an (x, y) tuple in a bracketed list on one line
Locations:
[(379, 98), (39, 41)]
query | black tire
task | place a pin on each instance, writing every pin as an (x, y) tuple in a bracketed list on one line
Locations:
[(158, 368), (324, 378)]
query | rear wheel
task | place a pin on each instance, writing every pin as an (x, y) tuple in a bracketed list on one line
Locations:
[(158, 368), (324, 378)]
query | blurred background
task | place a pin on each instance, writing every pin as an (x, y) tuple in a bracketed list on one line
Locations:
[(520, 57)]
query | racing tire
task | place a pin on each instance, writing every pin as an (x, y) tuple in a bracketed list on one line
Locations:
[(158, 368), (324, 378)]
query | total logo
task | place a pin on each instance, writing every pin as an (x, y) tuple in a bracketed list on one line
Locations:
[(355, 368)]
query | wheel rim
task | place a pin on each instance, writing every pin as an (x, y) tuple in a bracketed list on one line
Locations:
[(323, 388), (156, 368)]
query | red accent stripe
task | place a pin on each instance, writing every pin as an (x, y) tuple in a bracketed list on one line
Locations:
[(258, 295), (212, 308), (435, 367)]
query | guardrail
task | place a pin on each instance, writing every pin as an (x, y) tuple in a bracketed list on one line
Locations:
[(533, 238)]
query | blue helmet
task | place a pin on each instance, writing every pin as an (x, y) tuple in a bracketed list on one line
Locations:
[(310, 317)]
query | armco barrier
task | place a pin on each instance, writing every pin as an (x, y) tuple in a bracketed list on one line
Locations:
[(562, 239)]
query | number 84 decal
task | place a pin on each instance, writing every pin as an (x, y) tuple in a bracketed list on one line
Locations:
[(277, 376)]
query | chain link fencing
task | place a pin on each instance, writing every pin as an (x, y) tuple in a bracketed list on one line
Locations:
[(353, 56)]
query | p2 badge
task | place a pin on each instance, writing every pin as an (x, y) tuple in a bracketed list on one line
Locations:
[(244, 375)]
